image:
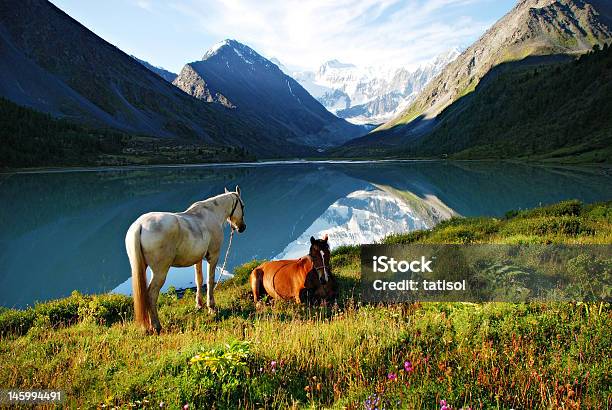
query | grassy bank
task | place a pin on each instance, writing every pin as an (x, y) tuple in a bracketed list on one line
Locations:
[(491, 355)]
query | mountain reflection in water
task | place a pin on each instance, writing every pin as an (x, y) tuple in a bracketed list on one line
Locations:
[(65, 231)]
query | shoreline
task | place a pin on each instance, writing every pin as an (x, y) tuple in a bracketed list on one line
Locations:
[(295, 161)]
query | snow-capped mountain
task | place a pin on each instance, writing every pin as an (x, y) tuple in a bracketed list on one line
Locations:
[(234, 75), (367, 216), (368, 94)]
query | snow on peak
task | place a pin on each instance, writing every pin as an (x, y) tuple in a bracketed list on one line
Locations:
[(365, 94), (242, 51), (337, 64), (215, 48)]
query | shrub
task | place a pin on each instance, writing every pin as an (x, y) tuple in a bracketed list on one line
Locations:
[(16, 321), (102, 309)]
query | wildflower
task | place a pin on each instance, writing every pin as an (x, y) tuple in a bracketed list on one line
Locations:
[(408, 366), (318, 386), (444, 405), (273, 365), (161, 404), (307, 388), (372, 402), (186, 407), (392, 377)]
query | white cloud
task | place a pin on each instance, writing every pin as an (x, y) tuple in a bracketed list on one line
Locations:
[(145, 4), (363, 32)]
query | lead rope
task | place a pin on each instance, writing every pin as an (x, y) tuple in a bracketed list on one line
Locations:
[(229, 245)]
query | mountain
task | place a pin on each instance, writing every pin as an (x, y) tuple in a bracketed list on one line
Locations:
[(366, 216), (235, 76), (557, 111), (531, 28), (162, 72), (53, 64), (534, 34), (369, 94)]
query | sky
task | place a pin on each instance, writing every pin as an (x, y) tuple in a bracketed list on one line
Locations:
[(302, 34)]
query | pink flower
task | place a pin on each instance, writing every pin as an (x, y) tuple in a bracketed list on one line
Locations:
[(392, 376), (186, 407), (408, 366)]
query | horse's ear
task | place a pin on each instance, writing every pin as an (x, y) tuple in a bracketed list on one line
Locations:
[(326, 237), (238, 190), (312, 240), (226, 191)]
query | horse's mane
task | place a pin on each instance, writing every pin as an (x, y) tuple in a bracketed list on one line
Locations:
[(204, 203)]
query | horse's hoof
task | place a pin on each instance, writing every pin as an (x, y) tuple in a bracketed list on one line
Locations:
[(199, 302), (153, 331)]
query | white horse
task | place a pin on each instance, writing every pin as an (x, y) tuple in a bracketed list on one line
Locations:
[(160, 240)]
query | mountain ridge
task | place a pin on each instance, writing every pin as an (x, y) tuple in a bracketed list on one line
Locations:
[(532, 27), (160, 71), (369, 94), (55, 65), (258, 89), (64, 69)]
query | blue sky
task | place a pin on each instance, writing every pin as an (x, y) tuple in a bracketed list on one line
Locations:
[(301, 34)]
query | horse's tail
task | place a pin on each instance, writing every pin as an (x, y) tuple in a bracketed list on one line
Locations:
[(256, 280), (139, 276)]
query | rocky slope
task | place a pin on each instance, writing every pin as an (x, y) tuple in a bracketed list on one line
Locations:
[(369, 94), (531, 28), (235, 76), (53, 64)]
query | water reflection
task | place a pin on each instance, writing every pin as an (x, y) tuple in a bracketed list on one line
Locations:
[(64, 231)]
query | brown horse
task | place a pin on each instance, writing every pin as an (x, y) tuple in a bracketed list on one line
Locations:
[(301, 279)]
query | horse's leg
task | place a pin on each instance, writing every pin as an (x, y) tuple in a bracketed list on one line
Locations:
[(157, 281), (257, 287), (199, 280), (254, 285), (210, 284)]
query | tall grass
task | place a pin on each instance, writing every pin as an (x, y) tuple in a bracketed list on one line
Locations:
[(341, 355)]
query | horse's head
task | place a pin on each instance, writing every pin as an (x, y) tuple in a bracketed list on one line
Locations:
[(320, 254), (236, 216)]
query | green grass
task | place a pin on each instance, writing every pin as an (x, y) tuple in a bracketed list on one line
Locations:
[(492, 355)]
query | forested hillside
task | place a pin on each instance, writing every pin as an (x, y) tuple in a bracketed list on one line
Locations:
[(30, 138), (552, 107), (548, 112)]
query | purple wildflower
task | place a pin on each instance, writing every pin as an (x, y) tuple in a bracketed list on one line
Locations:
[(392, 376), (408, 366)]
